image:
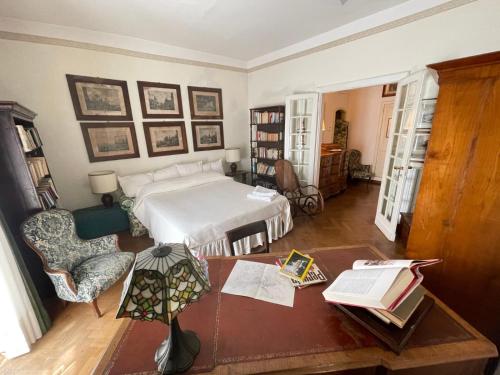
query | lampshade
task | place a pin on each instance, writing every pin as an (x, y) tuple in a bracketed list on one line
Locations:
[(233, 155), (163, 281), (102, 182)]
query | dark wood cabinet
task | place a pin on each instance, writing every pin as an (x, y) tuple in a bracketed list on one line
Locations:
[(333, 174), (19, 195), (457, 213)]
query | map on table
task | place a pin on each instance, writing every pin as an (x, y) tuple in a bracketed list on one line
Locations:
[(260, 281)]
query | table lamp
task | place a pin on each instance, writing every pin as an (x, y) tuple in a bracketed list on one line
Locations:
[(103, 182), (162, 283), (233, 156)]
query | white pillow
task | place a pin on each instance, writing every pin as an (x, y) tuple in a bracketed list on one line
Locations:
[(213, 166), (189, 168), (165, 173), (131, 184)]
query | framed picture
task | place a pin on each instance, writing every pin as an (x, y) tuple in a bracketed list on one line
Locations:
[(110, 140), (389, 89), (207, 135), (296, 265), (99, 98), (420, 146), (428, 106), (205, 103), (165, 138), (160, 100)]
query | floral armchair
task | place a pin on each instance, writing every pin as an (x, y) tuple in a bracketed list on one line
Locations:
[(80, 269), (356, 169), (137, 229)]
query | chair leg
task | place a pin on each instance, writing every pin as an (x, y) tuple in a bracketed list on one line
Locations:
[(96, 308)]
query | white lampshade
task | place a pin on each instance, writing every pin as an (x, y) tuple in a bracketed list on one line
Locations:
[(233, 155), (102, 182)]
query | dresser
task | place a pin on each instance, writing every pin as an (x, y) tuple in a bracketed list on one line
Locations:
[(333, 171)]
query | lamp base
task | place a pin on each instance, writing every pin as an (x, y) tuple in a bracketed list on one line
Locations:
[(107, 200), (177, 352), (233, 167)]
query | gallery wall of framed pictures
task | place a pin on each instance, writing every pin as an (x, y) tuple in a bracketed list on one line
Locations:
[(107, 102)]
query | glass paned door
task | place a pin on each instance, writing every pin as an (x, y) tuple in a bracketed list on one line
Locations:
[(396, 162), (301, 135)]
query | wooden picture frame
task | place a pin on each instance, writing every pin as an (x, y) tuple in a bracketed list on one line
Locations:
[(154, 130), (204, 133), (389, 89), (120, 137), (160, 100), (205, 103), (99, 98)]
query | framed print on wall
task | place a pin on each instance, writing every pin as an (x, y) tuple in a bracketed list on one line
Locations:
[(205, 103), (110, 140), (160, 100), (99, 98), (165, 138), (207, 135)]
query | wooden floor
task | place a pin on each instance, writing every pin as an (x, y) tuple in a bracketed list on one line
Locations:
[(77, 340)]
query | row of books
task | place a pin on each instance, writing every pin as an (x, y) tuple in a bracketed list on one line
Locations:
[(29, 138), (38, 168), (47, 193), (267, 117), (269, 137), (263, 169), (267, 153)]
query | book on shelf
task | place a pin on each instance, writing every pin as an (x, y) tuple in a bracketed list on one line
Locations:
[(267, 117), (37, 167), (314, 275), (379, 284), (265, 169), (403, 313), (296, 266), (30, 139), (267, 153), (269, 137), (47, 193)]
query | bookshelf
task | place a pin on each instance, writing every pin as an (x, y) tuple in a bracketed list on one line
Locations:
[(26, 185), (267, 132)]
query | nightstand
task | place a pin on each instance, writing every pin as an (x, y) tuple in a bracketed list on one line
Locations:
[(97, 221), (240, 176)]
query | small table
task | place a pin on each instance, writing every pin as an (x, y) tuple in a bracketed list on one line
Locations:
[(240, 176), (98, 221)]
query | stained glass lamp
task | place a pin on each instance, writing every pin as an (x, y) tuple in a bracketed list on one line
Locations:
[(162, 283)]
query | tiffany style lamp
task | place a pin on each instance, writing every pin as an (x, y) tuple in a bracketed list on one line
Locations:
[(163, 282)]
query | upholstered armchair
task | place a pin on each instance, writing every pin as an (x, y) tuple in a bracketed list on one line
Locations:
[(80, 269), (137, 229), (356, 169)]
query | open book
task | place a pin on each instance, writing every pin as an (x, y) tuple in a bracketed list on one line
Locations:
[(379, 284)]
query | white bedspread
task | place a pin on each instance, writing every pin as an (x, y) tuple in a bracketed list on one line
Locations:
[(199, 209)]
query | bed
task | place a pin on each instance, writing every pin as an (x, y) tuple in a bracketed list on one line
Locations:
[(198, 210)]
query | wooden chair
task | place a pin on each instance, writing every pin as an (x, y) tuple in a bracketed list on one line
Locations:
[(306, 199), (247, 230)]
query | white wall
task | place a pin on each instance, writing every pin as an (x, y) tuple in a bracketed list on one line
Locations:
[(467, 30), (34, 75)]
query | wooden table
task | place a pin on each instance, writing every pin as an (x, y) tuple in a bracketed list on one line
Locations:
[(241, 342)]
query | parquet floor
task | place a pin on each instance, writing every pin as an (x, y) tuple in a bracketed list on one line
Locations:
[(77, 340)]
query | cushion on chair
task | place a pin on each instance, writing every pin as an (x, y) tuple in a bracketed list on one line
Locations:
[(97, 274)]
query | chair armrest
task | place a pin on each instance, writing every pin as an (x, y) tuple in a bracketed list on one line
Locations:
[(102, 245), (64, 285), (366, 168), (126, 203)]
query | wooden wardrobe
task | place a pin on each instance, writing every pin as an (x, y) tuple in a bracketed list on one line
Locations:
[(457, 214)]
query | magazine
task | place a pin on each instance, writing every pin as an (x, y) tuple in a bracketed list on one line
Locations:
[(314, 275), (296, 265)]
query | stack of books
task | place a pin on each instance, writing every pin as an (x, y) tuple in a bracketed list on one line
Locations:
[(38, 169), (300, 269), (47, 193), (29, 137), (383, 292)]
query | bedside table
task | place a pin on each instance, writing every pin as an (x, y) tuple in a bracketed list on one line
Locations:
[(239, 176), (98, 221)]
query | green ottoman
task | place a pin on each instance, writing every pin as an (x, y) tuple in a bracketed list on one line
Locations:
[(98, 221)]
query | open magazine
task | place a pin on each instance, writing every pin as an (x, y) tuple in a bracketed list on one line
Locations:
[(379, 284)]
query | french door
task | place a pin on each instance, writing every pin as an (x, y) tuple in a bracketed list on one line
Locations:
[(401, 140)]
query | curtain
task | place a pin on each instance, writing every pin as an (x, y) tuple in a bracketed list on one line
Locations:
[(22, 317)]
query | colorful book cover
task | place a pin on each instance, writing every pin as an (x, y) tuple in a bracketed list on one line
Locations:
[(296, 265)]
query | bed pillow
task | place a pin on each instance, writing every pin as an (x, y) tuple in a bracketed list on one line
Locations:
[(131, 184), (165, 173), (187, 169), (213, 166)]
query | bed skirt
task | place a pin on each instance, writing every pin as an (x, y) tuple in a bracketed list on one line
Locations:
[(277, 227)]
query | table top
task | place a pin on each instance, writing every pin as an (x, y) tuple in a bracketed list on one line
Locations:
[(243, 335)]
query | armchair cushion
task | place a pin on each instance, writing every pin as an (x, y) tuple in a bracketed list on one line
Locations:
[(356, 169), (97, 274)]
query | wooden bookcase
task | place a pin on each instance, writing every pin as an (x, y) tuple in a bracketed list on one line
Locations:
[(20, 195), (267, 134)]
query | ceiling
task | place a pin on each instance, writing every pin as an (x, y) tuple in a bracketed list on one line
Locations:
[(237, 29)]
